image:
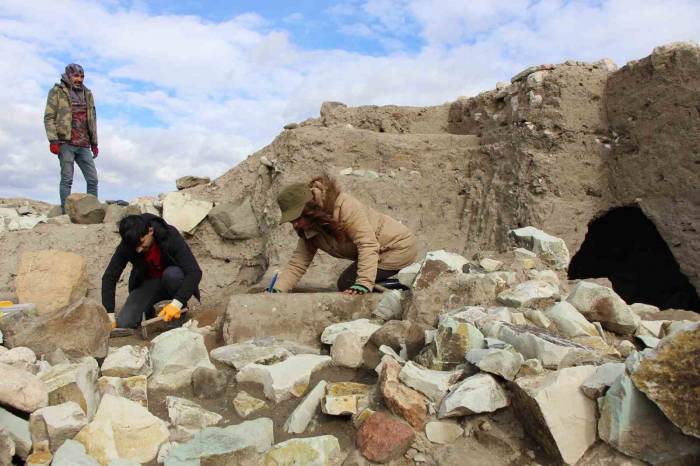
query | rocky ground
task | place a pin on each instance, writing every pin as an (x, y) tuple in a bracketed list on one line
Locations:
[(491, 356)]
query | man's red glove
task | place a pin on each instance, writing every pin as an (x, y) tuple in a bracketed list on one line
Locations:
[(55, 147), (95, 151)]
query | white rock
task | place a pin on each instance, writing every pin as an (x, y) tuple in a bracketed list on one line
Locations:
[(433, 384), (443, 432), (310, 451), (389, 307), (123, 429), (549, 248), (21, 389), (604, 376), (529, 294), (643, 309), (284, 379), (298, 421), (557, 413), (56, 424), (501, 313), (239, 355), (549, 276), (570, 323), (175, 355), (408, 274), (497, 361), (626, 348), (651, 328), (601, 304), (479, 393), (361, 327), (164, 451), (74, 382), (490, 265), (347, 350), (72, 453), (183, 212), (188, 415), (127, 361), (648, 340), (18, 430), (519, 319)]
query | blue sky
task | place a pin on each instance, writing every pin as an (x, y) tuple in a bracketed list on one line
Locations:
[(194, 87)]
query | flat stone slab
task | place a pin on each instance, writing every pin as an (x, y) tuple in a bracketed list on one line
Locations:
[(239, 355), (214, 441), (285, 379), (301, 416), (298, 317), (556, 413)]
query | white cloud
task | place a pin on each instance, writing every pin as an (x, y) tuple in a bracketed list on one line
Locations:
[(220, 90)]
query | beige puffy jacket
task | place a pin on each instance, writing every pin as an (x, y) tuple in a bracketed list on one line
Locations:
[(372, 239)]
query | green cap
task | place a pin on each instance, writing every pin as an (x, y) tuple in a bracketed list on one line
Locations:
[(292, 200)]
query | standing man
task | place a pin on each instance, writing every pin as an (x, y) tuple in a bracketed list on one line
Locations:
[(71, 127), (162, 267)]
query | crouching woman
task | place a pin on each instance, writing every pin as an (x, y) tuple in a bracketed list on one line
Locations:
[(328, 219)]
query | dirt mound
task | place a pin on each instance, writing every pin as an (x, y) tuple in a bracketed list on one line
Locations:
[(556, 148)]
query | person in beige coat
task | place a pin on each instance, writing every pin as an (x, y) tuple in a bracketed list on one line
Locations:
[(328, 219)]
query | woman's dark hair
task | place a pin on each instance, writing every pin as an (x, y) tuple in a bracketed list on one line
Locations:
[(132, 228)]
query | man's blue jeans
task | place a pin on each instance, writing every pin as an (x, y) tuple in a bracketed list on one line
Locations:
[(83, 157)]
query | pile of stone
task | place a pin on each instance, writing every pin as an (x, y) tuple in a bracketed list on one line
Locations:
[(19, 218), (473, 337)]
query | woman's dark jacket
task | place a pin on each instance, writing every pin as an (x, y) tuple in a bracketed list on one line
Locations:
[(174, 251)]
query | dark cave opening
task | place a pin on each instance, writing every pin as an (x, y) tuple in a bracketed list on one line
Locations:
[(624, 246)]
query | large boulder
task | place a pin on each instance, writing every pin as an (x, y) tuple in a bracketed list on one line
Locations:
[(21, 390), (56, 424), (633, 424), (550, 249), (305, 315), (601, 304), (175, 355), (81, 329), (51, 279), (235, 221), (183, 212), (123, 429), (84, 208), (670, 376), (557, 413)]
